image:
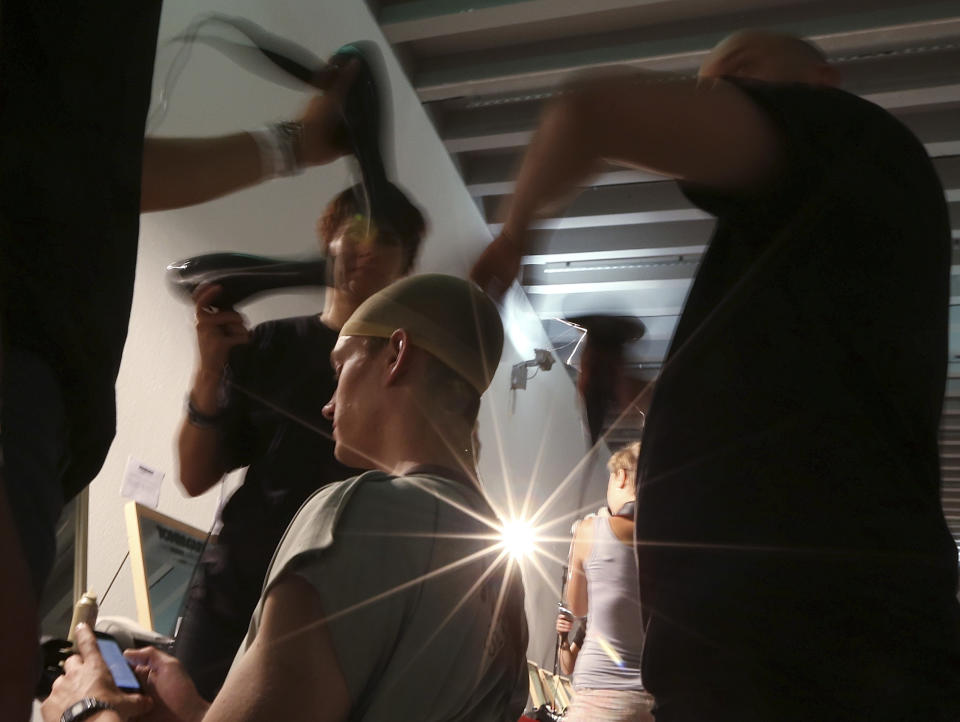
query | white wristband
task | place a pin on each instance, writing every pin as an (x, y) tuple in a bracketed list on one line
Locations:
[(279, 146), (271, 154)]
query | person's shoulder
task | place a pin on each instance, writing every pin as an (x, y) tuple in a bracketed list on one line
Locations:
[(314, 525), (831, 109), (342, 493), (365, 496), (416, 500), (804, 92), (586, 527), (583, 536), (398, 493), (868, 113)]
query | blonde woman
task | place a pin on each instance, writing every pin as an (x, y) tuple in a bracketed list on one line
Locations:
[(603, 581)]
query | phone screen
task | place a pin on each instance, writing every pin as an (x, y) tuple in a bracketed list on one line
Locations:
[(121, 670)]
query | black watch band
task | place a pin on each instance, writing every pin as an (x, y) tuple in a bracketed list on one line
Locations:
[(201, 420), (84, 708)]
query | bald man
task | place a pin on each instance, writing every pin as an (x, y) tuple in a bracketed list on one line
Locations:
[(794, 558)]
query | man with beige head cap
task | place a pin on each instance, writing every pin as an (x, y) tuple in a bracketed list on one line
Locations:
[(389, 597), (793, 555)]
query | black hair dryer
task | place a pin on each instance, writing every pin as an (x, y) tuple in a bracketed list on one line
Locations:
[(242, 276)]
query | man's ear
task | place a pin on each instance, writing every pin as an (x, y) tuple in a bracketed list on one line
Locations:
[(623, 478), (399, 357)]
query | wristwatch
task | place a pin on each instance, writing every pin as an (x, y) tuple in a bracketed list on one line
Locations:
[(84, 708)]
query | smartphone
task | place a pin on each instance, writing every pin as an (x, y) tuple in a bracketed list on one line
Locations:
[(120, 668)]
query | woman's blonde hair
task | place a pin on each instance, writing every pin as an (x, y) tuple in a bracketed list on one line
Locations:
[(625, 458)]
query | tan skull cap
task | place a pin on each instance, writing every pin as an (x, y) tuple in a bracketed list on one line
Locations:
[(446, 316)]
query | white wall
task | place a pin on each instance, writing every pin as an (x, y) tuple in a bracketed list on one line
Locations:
[(535, 465), (530, 437)]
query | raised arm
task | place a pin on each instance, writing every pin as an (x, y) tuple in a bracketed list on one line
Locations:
[(179, 172), (706, 132), (199, 443)]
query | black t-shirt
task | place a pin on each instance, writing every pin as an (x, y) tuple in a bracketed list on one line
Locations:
[(800, 400), (275, 389), (74, 92)]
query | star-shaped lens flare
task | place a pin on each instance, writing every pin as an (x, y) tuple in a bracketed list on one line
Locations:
[(518, 538)]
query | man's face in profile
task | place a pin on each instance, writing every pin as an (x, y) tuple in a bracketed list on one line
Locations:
[(354, 406)]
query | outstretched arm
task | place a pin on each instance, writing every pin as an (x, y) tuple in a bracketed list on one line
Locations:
[(706, 132), (200, 444), (179, 172)]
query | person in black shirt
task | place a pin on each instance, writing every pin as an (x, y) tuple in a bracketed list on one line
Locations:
[(74, 92), (794, 558), (256, 401)]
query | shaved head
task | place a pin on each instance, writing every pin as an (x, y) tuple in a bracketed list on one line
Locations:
[(770, 57)]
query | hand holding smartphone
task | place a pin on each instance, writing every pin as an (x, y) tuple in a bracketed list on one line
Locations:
[(120, 668)]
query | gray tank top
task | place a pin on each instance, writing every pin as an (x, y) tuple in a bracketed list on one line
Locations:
[(610, 658)]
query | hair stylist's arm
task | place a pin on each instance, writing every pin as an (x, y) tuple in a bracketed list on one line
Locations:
[(181, 172)]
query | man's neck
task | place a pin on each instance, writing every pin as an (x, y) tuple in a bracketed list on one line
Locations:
[(337, 308), (451, 460), (456, 469)]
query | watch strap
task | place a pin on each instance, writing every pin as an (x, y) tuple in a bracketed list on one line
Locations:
[(84, 708)]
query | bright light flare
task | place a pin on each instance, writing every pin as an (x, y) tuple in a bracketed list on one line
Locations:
[(610, 651), (518, 538)]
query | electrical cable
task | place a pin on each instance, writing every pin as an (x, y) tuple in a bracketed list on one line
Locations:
[(103, 597)]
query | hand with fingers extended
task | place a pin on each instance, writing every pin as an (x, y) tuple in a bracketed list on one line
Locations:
[(86, 675), (219, 331), (175, 697), (497, 267), (324, 139)]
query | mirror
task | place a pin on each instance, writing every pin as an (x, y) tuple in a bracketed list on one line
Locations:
[(163, 554)]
